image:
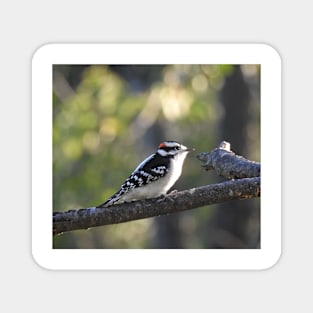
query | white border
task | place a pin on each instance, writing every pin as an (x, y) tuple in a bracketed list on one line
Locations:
[(146, 259)]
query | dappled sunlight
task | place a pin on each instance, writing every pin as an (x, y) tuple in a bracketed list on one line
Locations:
[(148, 115), (91, 141), (176, 103), (200, 83), (250, 70), (72, 148), (104, 125), (108, 129)]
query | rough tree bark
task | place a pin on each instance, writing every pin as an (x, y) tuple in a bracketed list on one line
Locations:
[(236, 224), (243, 188), (227, 164)]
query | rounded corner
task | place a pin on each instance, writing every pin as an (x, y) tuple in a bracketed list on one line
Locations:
[(272, 262), (272, 51), (38, 262), (41, 50)]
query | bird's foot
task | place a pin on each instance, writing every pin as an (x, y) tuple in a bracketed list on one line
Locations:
[(168, 196)]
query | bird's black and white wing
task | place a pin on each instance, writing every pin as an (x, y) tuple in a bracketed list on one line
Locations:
[(137, 185)]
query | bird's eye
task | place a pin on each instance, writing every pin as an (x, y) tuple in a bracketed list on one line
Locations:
[(177, 148)]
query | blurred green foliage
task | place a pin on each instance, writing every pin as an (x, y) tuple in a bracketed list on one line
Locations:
[(103, 127)]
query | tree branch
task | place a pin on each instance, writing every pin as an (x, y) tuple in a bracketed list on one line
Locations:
[(181, 201), (225, 162)]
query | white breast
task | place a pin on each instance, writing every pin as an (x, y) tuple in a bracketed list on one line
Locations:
[(160, 186)]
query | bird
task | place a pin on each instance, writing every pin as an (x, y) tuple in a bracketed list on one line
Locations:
[(154, 176)]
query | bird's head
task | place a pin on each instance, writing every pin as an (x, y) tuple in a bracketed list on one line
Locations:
[(172, 149)]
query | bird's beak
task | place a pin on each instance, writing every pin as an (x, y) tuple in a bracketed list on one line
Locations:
[(190, 149)]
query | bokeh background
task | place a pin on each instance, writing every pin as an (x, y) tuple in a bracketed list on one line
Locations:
[(108, 118)]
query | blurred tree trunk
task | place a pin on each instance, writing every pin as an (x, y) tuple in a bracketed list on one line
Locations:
[(235, 224), (167, 233)]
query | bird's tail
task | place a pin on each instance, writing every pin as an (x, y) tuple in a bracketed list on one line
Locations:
[(112, 200)]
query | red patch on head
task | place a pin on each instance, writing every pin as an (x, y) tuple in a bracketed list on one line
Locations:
[(162, 145)]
